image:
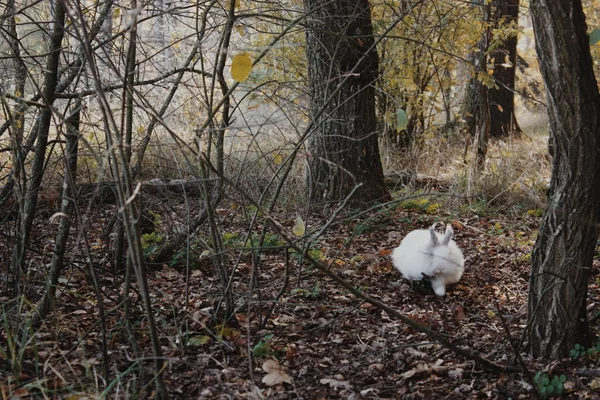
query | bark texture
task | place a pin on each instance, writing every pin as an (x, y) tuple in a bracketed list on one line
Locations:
[(504, 60), (342, 70), (562, 257), (26, 217), (476, 106), (67, 209)]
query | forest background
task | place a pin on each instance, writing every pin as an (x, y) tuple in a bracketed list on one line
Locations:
[(200, 198)]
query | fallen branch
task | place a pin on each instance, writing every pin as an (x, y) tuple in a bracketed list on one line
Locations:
[(588, 372)]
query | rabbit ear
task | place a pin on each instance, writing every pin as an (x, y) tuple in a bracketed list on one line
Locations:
[(434, 237), (447, 235)]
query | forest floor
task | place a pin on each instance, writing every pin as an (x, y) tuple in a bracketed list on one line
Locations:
[(301, 336)]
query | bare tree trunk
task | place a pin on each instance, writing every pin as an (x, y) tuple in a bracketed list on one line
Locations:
[(25, 220), (127, 134), (563, 254), (67, 207), (343, 147), (504, 59), (17, 123), (476, 106)]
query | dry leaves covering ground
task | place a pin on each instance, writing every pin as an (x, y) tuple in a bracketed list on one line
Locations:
[(319, 342)]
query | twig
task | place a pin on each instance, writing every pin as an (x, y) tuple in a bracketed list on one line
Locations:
[(526, 372), (588, 372)]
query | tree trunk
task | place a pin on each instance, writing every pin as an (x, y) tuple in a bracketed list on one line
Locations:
[(343, 69), (504, 59), (476, 106), (563, 254), (25, 221), (67, 209)]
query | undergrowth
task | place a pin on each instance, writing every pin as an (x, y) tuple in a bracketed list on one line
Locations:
[(515, 177)]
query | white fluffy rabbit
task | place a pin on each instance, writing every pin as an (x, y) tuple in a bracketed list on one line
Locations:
[(427, 254)]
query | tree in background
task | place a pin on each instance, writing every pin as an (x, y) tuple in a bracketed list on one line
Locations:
[(342, 71), (418, 61), (503, 57), (476, 107), (564, 251)]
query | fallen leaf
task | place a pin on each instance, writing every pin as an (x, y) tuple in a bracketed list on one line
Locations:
[(335, 384), (459, 313), (384, 252), (291, 351), (569, 385), (414, 352), (456, 373), (276, 375), (376, 366)]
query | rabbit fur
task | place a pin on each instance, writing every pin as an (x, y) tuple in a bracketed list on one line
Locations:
[(425, 253)]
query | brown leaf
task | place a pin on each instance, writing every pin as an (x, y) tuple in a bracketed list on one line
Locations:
[(276, 375)]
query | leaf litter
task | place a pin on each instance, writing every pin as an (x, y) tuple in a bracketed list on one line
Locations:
[(323, 342)]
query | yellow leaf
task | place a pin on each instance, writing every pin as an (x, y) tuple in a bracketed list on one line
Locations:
[(278, 159), (140, 130), (240, 29), (228, 3), (241, 66), (117, 12), (199, 340), (299, 228)]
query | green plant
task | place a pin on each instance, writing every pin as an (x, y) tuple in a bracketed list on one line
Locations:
[(181, 258), (317, 254), (263, 347), (273, 240), (421, 205), (151, 243), (236, 240), (20, 342), (311, 294), (549, 386), (534, 213), (497, 229), (577, 351), (594, 351), (478, 207), (580, 351)]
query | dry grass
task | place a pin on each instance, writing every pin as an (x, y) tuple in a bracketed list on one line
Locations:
[(515, 177)]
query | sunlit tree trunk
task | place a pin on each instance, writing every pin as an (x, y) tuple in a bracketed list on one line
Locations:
[(343, 69), (505, 14), (563, 254)]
